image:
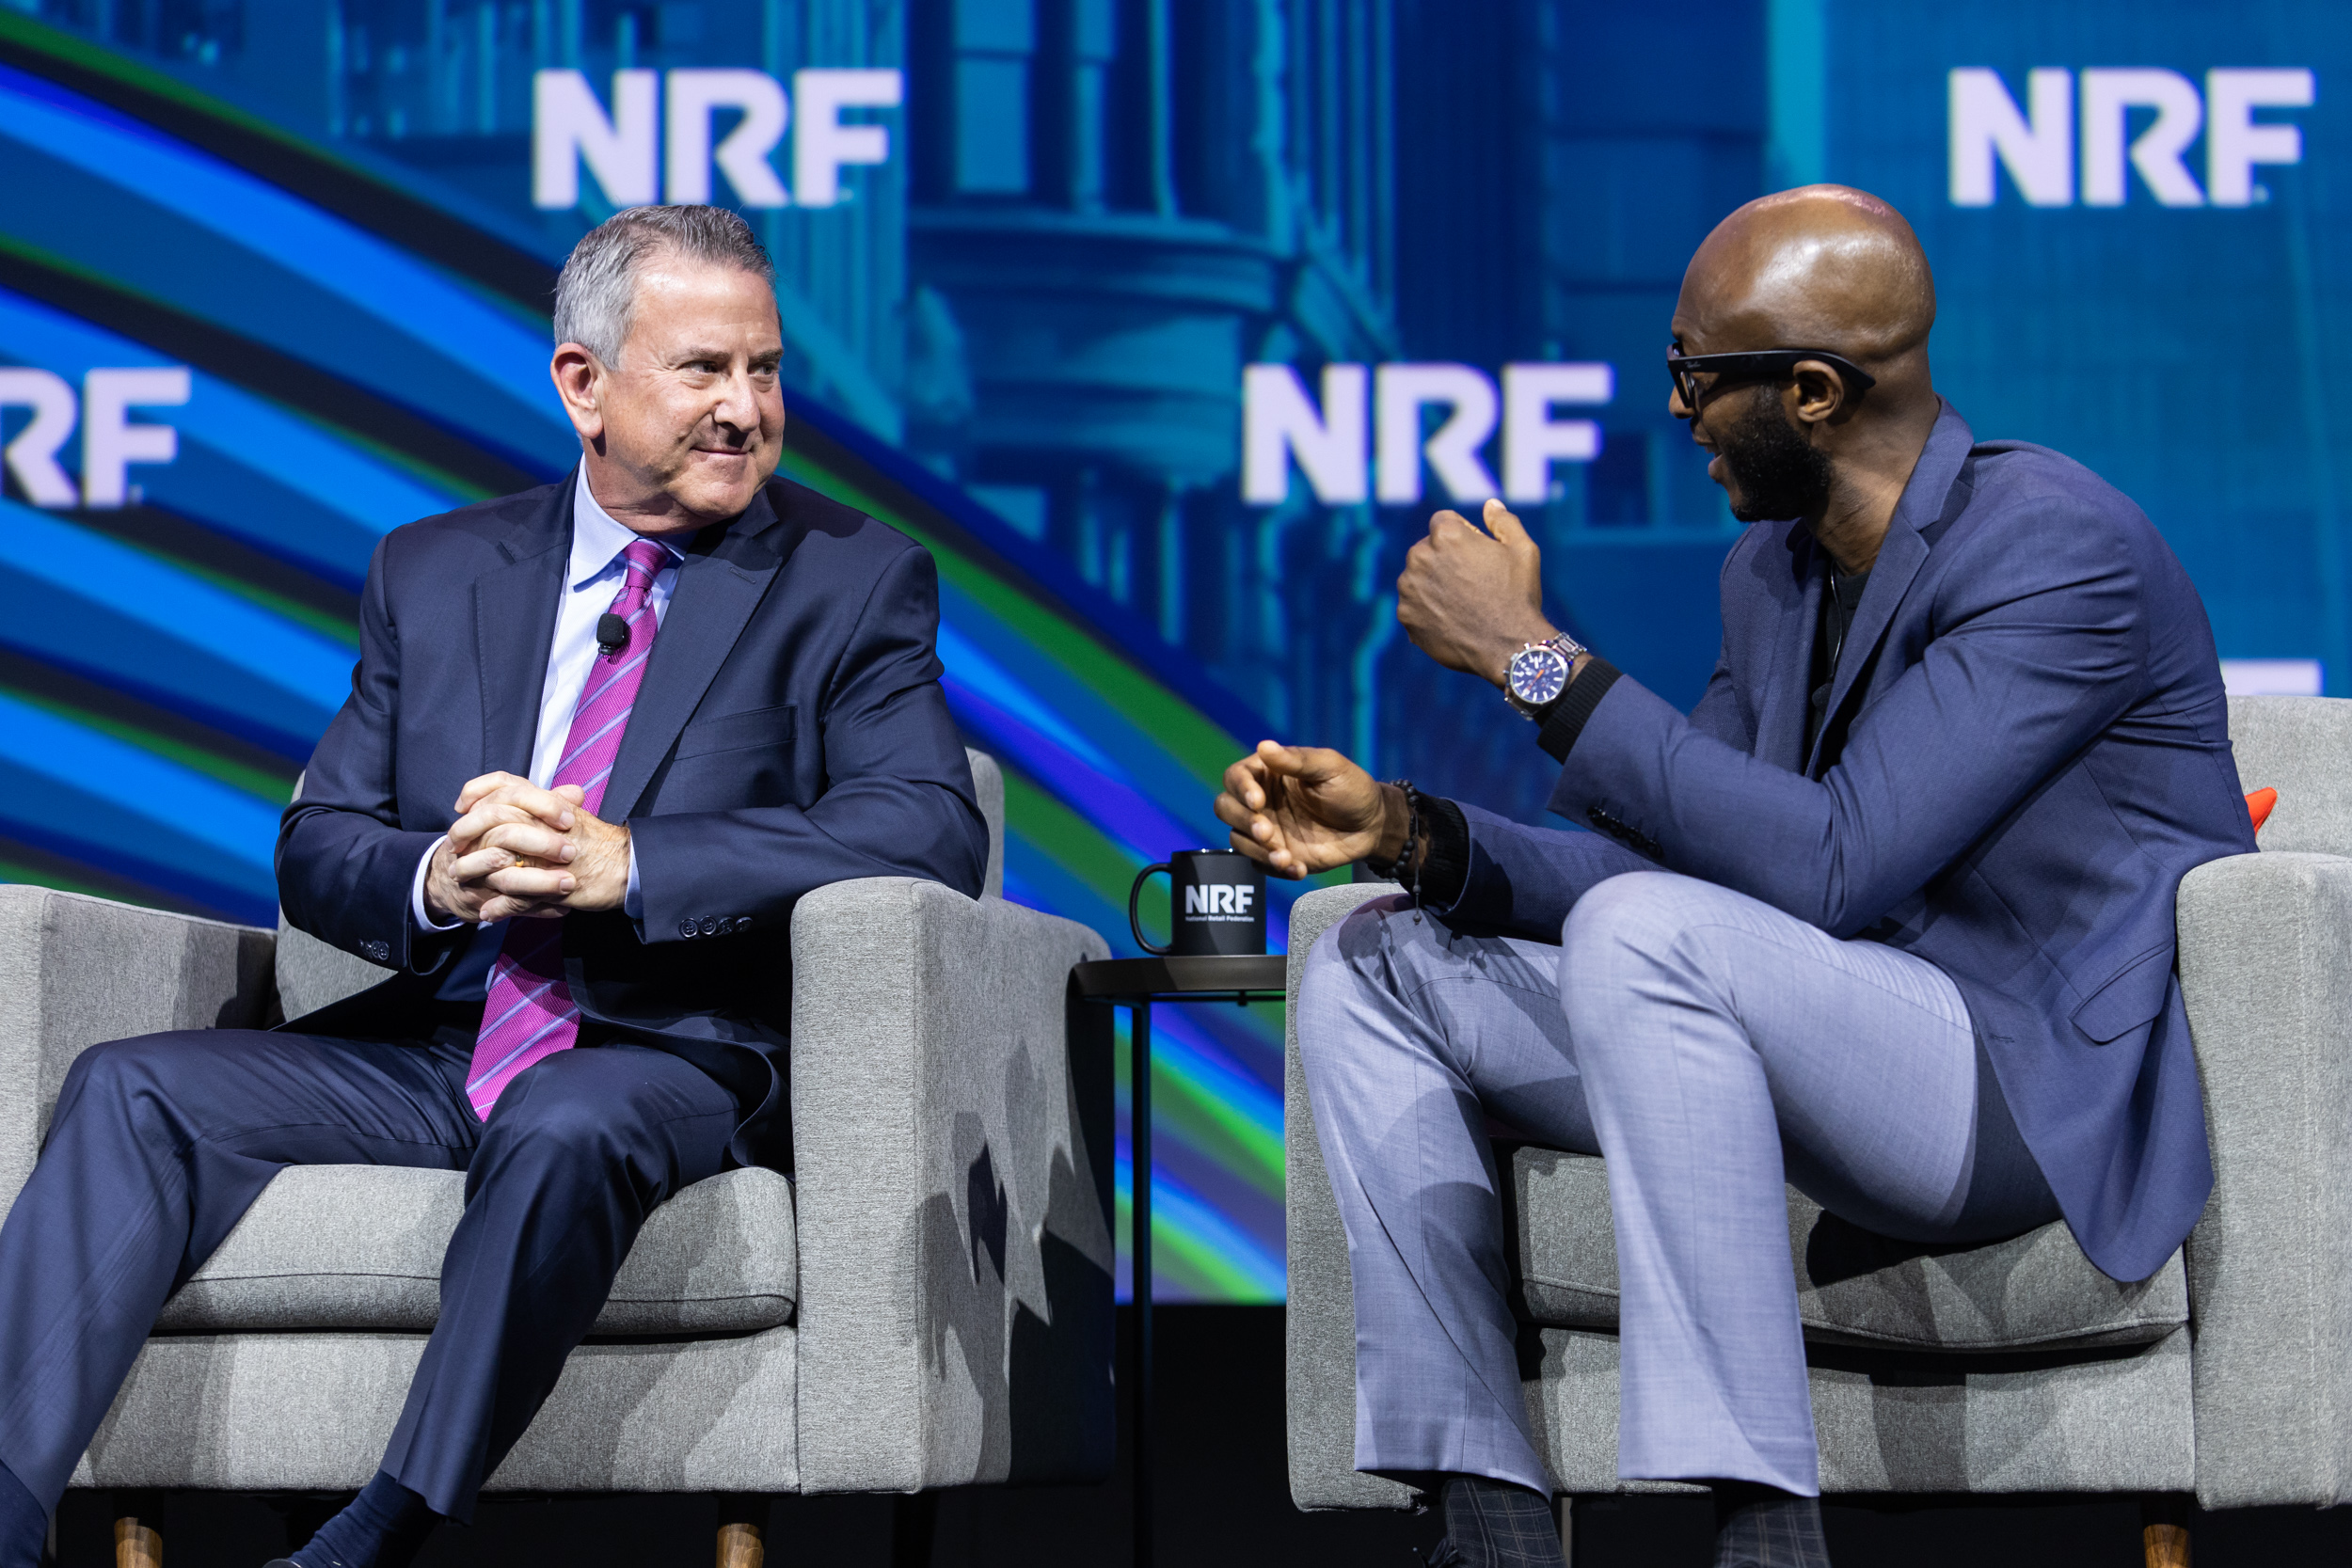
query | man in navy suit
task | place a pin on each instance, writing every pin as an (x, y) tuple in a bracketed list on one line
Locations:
[(1888, 916), (601, 738)]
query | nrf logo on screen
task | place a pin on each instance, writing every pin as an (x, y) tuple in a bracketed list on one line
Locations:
[(641, 155), (111, 441), (2113, 123), (1354, 445)]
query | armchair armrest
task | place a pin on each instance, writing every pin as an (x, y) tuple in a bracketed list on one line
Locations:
[(2266, 963), (951, 1116), (76, 971), (1319, 1328)]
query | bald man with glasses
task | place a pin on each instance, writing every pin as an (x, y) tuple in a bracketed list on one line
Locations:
[(1888, 916)]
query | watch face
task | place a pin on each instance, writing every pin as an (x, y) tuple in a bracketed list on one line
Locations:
[(1539, 674)]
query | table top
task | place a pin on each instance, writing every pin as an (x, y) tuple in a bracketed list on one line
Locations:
[(1176, 976)]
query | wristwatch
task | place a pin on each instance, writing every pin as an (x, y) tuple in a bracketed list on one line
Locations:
[(1539, 673)]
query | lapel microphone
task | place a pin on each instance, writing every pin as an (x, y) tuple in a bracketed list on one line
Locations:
[(611, 634)]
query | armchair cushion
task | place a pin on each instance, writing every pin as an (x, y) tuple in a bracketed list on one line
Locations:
[(312, 975), (2034, 1292), (2296, 746), (359, 1247)]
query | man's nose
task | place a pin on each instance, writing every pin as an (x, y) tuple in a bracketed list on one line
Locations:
[(738, 404)]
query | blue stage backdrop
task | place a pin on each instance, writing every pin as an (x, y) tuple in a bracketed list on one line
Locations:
[(1165, 323)]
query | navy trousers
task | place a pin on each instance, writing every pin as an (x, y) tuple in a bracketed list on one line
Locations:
[(160, 1143)]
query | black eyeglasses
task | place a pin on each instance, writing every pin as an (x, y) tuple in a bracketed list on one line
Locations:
[(1763, 363)]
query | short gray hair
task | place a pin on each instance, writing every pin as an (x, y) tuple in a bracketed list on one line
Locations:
[(596, 295)]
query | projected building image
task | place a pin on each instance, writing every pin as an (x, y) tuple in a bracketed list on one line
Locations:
[(275, 275)]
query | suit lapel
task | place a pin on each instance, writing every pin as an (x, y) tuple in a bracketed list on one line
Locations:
[(1898, 561), (720, 584), (514, 621), (1788, 670)]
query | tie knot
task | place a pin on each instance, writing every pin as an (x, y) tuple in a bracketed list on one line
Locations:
[(642, 561)]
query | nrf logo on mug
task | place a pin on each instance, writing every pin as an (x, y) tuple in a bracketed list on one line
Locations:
[(1221, 901), (1215, 905)]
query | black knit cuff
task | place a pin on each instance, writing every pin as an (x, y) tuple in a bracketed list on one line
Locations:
[(1447, 866), (1565, 720)]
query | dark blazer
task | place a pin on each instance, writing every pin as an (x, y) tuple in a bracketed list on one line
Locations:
[(790, 733), (2027, 747)]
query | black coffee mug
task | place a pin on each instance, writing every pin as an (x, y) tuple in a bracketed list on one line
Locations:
[(1216, 903)]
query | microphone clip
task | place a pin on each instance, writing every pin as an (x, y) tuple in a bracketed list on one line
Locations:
[(611, 634)]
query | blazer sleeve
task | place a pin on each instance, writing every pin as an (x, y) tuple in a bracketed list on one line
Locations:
[(2040, 645), (1723, 710), (1522, 881), (345, 864), (899, 800), (1720, 713)]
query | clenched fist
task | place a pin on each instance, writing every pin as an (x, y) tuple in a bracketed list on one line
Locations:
[(1472, 597)]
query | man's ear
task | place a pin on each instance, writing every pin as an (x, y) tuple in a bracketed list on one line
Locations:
[(1821, 392), (579, 380)]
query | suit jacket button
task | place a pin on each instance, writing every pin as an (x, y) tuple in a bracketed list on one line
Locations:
[(711, 925), (686, 928)]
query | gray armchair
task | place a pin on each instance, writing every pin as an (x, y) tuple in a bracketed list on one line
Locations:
[(925, 1303), (2013, 1366)]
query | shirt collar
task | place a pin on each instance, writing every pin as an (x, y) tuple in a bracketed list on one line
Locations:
[(597, 539)]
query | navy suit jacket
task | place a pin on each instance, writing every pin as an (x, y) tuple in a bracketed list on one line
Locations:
[(2027, 747), (790, 731)]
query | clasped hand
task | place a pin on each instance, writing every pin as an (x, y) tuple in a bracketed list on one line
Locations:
[(519, 851)]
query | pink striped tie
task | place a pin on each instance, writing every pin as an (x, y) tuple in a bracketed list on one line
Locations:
[(530, 1013)]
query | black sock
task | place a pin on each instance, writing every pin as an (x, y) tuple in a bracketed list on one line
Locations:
[(382, 1528), (1492, 1523), (23, 1524), (1762, 1527)]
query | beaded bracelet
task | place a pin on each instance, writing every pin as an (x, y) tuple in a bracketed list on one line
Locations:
[(1407, 858)]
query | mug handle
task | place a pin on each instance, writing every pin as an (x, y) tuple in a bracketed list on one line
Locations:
[(1135, 921)]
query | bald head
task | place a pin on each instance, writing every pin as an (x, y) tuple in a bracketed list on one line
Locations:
[(1821, 266)]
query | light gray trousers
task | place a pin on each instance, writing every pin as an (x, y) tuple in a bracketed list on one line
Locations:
[(1714, 1050)]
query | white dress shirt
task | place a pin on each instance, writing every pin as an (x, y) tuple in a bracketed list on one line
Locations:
[(591, 581)]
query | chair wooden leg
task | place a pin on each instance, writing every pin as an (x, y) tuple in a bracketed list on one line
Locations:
[(742, 1530), (137, 1545), (2164, 1529)]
